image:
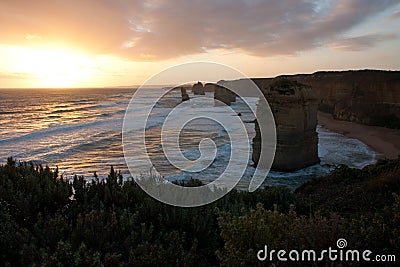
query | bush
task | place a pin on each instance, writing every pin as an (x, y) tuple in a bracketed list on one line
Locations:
[(49, 221)]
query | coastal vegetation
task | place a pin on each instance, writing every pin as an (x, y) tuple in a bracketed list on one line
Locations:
[(48, 220)]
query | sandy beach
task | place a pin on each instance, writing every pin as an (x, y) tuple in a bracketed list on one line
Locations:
[(386, 142)]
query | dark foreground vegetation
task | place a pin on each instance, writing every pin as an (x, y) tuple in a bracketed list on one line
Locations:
[(114, 223)]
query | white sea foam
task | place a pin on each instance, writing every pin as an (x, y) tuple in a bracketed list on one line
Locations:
[(86, 136)]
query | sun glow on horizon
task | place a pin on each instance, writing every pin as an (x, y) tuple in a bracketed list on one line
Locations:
[(52, 67)]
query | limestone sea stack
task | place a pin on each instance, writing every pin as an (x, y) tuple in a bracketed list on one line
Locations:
[(185, 96), (209, 87), (294, 107), (198, 89), (224, 95)]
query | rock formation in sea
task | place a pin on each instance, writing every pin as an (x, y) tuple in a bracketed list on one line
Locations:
[(294, 107), (369, 97), (365, 96), (185, 96), (209, 87), (198, 89), (223, 94)]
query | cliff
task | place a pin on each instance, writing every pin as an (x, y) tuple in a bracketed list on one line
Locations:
[(294, 107), (369, 97)]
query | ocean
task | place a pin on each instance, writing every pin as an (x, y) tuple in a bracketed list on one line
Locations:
[(79, 130)]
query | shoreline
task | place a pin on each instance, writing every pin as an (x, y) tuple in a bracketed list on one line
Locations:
[(384, 141)]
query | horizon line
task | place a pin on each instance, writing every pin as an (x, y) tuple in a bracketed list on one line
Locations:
[(167, 85)]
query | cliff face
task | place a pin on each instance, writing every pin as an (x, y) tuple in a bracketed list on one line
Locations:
[(294, 107), (367, 96)]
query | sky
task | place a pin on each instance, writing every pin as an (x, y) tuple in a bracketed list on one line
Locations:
[(100, 43)]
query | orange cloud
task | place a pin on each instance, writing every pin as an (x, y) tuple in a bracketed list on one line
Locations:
[(158, 29)]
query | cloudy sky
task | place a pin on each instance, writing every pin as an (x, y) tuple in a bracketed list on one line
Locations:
[(86, 43)]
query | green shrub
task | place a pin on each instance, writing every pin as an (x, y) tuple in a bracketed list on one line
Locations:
[(48, 221)]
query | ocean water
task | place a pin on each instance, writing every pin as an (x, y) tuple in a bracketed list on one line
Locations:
[(79, 130)]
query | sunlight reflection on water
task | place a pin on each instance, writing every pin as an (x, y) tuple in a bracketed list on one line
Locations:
[(80, 132)]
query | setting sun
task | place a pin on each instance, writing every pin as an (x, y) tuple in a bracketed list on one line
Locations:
[(52, 67)]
